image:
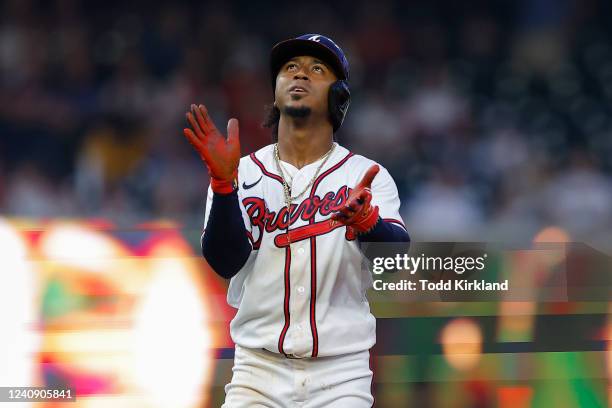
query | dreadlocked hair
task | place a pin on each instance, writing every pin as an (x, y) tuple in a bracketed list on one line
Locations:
[(271, 120)]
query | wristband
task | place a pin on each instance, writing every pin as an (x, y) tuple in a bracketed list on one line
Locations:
[(224, 187)]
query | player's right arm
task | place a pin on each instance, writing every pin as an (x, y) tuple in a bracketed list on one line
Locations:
[(224, 243)]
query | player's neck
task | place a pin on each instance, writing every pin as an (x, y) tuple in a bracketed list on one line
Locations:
[(300, 146)]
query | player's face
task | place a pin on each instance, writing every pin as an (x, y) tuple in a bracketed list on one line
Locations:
[(303, 82)]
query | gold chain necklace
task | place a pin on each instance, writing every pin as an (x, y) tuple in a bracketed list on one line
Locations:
[(288, 198)]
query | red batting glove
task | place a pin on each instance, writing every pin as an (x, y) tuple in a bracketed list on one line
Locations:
[(220, 155), (357, 213)]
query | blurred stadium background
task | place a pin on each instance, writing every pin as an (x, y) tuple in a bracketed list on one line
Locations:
[(494, 117)]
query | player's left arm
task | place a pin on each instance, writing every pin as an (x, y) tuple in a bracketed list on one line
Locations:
[(372, 209)]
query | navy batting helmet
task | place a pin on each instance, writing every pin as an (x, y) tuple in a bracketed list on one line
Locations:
[(318, 45)]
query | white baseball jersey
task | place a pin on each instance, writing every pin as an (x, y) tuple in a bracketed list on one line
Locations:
[(302, 291)]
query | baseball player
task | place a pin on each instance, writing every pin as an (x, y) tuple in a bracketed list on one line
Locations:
[(285, 223)]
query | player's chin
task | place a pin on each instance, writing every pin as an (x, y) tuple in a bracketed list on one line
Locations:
[(298, 104), (297, 109)]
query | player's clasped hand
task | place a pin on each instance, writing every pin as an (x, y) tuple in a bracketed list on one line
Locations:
[(221, 155), (358, 212)]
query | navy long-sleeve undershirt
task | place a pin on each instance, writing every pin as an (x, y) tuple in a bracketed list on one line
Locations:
[(225, 244), (385, 231)]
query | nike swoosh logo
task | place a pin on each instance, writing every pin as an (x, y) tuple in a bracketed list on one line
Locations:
[(247, 186)]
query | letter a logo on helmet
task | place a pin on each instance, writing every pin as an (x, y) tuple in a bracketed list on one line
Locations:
[(314, 38)]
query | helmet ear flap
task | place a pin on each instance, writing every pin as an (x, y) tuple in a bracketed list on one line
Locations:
[(339, 99)]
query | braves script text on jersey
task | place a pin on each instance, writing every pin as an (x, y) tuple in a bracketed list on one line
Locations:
[(302, 291)]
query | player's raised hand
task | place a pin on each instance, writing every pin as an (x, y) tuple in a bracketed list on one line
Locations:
[(221, 155), (358, 212)]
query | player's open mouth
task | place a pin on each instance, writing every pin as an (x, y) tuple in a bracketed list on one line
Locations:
[(297, 89)]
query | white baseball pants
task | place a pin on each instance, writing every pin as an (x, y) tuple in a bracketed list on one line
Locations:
[(265, 379)]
